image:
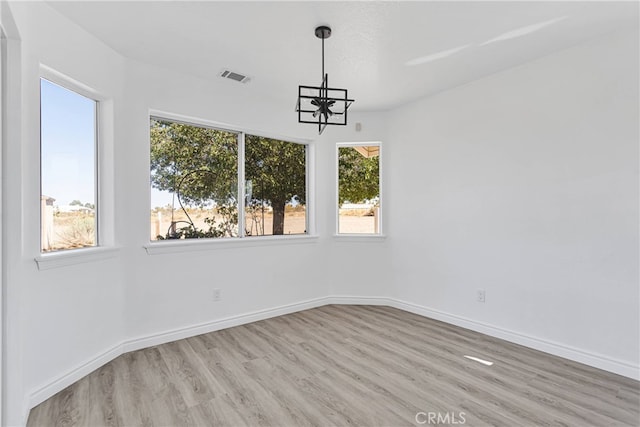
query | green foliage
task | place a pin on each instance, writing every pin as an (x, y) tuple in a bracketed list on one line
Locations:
[(198, 162), (276, 168), (359, 176), (76, 203)]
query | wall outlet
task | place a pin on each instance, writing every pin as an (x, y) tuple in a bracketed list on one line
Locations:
[(217, 294), (480, 295)]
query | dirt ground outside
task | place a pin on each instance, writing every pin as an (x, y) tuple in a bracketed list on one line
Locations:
[(69, 230), (259, 223)]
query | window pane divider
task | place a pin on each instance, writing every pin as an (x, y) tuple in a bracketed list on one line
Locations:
[(241, 186)]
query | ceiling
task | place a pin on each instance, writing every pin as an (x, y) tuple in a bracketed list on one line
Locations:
[(385, 53)]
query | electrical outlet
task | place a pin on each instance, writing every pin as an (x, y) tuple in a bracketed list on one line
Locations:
[(217, 294), (480, 295)]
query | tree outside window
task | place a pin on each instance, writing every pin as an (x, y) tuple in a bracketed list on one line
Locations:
[(194, 176), (359, 189)]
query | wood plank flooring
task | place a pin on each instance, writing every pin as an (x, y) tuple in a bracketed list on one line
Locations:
[(342, 366)]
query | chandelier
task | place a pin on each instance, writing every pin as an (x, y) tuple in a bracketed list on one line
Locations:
[(322, 105)]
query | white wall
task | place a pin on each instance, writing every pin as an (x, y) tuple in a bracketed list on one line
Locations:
[(175, 290), (66, 321), (525, 184), (57, 319)]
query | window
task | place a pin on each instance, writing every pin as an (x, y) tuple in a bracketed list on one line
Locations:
[(359, 188), (68, 177), (195, 171), (276, 186)]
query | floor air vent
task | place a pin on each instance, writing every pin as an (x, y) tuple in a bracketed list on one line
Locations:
[(227, 74)]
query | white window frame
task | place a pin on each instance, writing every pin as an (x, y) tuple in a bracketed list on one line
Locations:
[(103, 173), (359, 236), (187, 245)]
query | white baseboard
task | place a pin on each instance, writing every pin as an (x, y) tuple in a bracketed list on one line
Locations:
[(44, 392), (575, 354), (216, 325), (354, 300), (588, 358)]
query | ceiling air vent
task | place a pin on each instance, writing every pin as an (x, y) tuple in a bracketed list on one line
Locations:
[(228, 74)]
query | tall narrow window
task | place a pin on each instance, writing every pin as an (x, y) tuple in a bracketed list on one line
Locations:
[(359, 189), (195, 172), (68, 178)]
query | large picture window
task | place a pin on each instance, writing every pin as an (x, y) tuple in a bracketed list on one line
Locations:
[(68, 172), (195, 171), (359, 198)]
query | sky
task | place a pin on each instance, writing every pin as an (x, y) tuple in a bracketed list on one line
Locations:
[(161, 198), (67, 145)]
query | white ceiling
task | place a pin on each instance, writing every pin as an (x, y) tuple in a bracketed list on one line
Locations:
[(385, 53)]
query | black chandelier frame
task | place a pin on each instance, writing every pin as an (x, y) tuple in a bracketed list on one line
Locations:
[(323, 97)]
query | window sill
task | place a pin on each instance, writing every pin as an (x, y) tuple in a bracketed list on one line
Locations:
[(177, 246), (75, 256), (360, 237)]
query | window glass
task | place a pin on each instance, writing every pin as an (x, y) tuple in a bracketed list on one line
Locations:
[(194, 183), (275, 173), (67, 169), (359, 189), (194, 172)]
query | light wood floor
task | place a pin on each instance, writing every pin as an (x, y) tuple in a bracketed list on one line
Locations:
[(342, 366)]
